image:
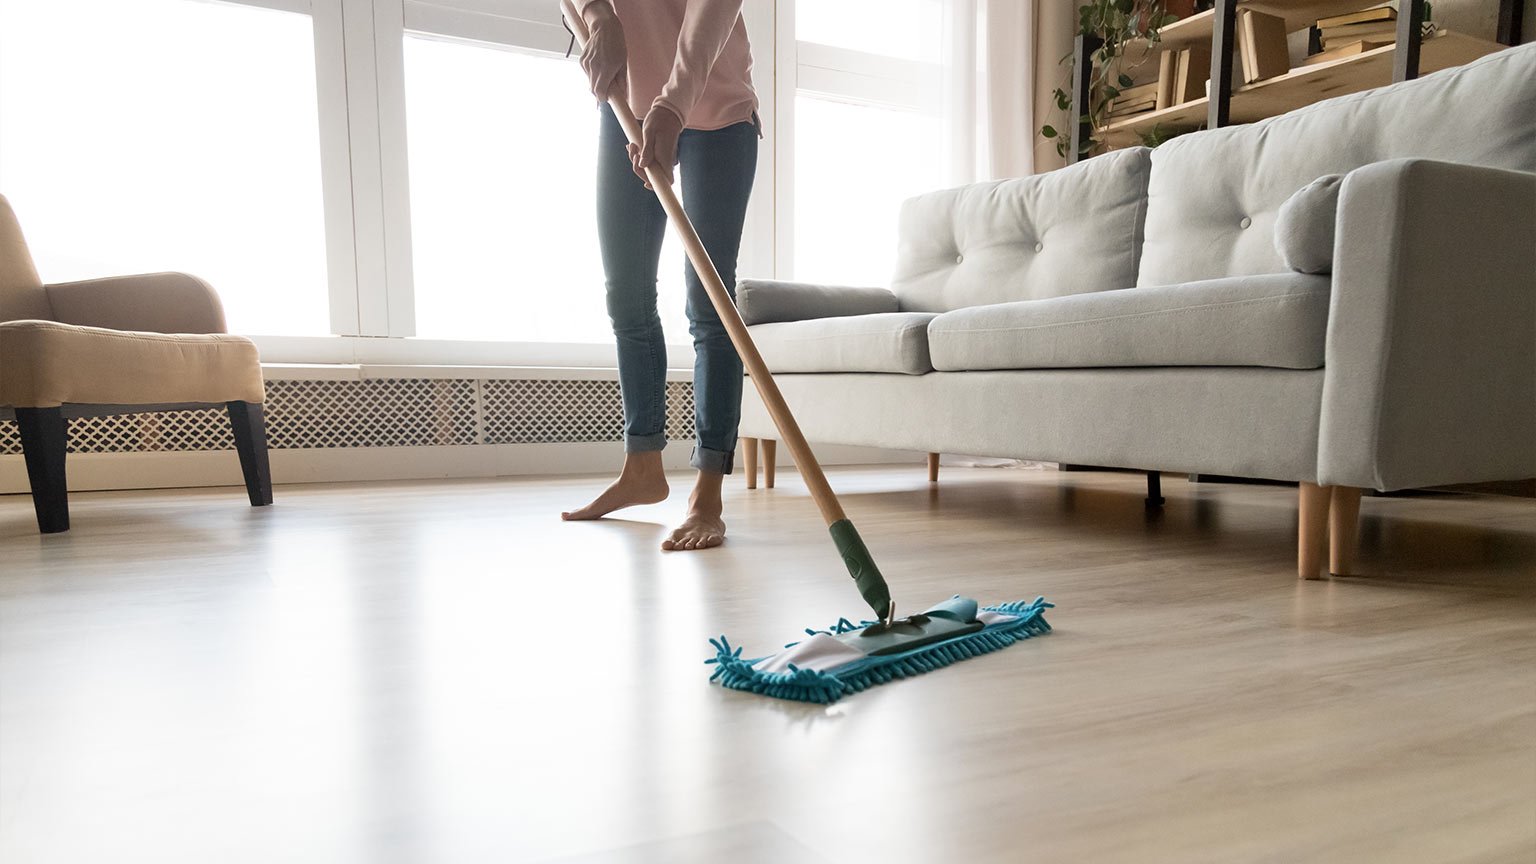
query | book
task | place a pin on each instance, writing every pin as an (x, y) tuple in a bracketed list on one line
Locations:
[(1348, 49), (1351, 32), (1192, 71), (1131, 110), (1133, 98), (1167, 67), (1117, 116), (1262, 45), (1380, 13), (1244, 50), (1119, 107), (1140, 91)]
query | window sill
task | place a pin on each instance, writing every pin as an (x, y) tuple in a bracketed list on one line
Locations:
[(369, 351), (380, 371)]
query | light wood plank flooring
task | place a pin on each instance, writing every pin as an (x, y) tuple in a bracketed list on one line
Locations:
[(443, 672)]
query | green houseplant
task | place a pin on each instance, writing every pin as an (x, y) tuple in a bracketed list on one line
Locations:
[(1125, 33)]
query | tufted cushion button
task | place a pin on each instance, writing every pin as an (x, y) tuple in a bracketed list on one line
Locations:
[(1039, 246), (959, 259), (1245, 223)]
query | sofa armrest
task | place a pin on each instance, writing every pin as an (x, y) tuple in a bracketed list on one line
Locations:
[(1431, 348), (763, 301), (150, 302)]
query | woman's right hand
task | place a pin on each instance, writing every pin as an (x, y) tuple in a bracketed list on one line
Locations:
[(605, 56)]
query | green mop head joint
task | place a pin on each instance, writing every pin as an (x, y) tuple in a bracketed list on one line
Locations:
[(861, 566)]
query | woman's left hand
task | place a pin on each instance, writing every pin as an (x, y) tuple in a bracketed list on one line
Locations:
[(658, 143)]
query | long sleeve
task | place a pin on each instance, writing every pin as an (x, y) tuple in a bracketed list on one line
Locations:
[(707, 24)]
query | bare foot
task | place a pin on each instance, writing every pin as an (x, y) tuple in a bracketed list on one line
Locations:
[(698, 531), (641, 482), (702, 528)]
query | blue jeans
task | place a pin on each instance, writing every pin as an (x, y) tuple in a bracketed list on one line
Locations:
[(716, 169)]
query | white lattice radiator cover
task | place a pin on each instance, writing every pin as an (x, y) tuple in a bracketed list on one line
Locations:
[(387, 412)]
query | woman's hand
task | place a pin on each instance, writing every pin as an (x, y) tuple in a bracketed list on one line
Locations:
[(605, 56), (658, 143)]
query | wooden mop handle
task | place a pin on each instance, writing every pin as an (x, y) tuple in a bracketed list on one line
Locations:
[(789, 430)]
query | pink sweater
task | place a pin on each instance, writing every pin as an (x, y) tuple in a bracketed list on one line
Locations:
[(690, 56)]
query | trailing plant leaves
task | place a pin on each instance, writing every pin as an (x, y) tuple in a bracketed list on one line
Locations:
[(1108, 28)]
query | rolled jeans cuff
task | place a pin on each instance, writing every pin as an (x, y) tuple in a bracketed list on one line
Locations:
[(644, 443), (715, 461)]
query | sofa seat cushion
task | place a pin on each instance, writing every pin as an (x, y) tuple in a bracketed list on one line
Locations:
[(885, 342), (1277, 320), (44, 364)]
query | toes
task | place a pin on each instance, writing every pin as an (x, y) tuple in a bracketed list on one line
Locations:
[(691, 542)]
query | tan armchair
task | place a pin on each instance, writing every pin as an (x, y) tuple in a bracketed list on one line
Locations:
[(120, 345)]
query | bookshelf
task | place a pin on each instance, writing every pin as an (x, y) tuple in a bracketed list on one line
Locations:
[(1230, 103), (1303, 86), (1298, 15)]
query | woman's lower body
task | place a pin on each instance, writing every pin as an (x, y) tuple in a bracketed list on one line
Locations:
[(716, 168)]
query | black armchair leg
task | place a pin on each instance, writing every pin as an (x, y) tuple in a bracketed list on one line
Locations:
[(1154, 489), (44, 438), (251, 440)]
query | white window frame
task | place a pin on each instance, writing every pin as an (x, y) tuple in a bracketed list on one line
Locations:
[(364, 161), (842, 74), (360, 71)]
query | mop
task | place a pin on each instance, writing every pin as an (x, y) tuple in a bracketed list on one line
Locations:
[(846, 657)]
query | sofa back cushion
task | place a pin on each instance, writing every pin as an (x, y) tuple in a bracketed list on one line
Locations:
[(1214, 196), (1068, 231)]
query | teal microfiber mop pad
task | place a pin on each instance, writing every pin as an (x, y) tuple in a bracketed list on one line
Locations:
[(847, 658)]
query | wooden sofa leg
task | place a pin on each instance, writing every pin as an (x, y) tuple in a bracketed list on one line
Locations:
[(1312, 530), (770, 452), (933, 467), (749, 460), (44, 439), (1343, 530), (251, 440)]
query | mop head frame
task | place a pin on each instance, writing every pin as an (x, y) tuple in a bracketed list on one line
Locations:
[(1011, 622)]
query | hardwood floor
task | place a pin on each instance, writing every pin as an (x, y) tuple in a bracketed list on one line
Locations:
[(443, 672)]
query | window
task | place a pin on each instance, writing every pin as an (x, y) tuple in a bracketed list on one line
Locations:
[(169, 135), (908, 29), (502, 145), (868, 133), (425, 168), (854, 165)]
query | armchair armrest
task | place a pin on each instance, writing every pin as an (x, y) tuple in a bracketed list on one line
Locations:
[(151, 302), (1430, 372), (762, 301)]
